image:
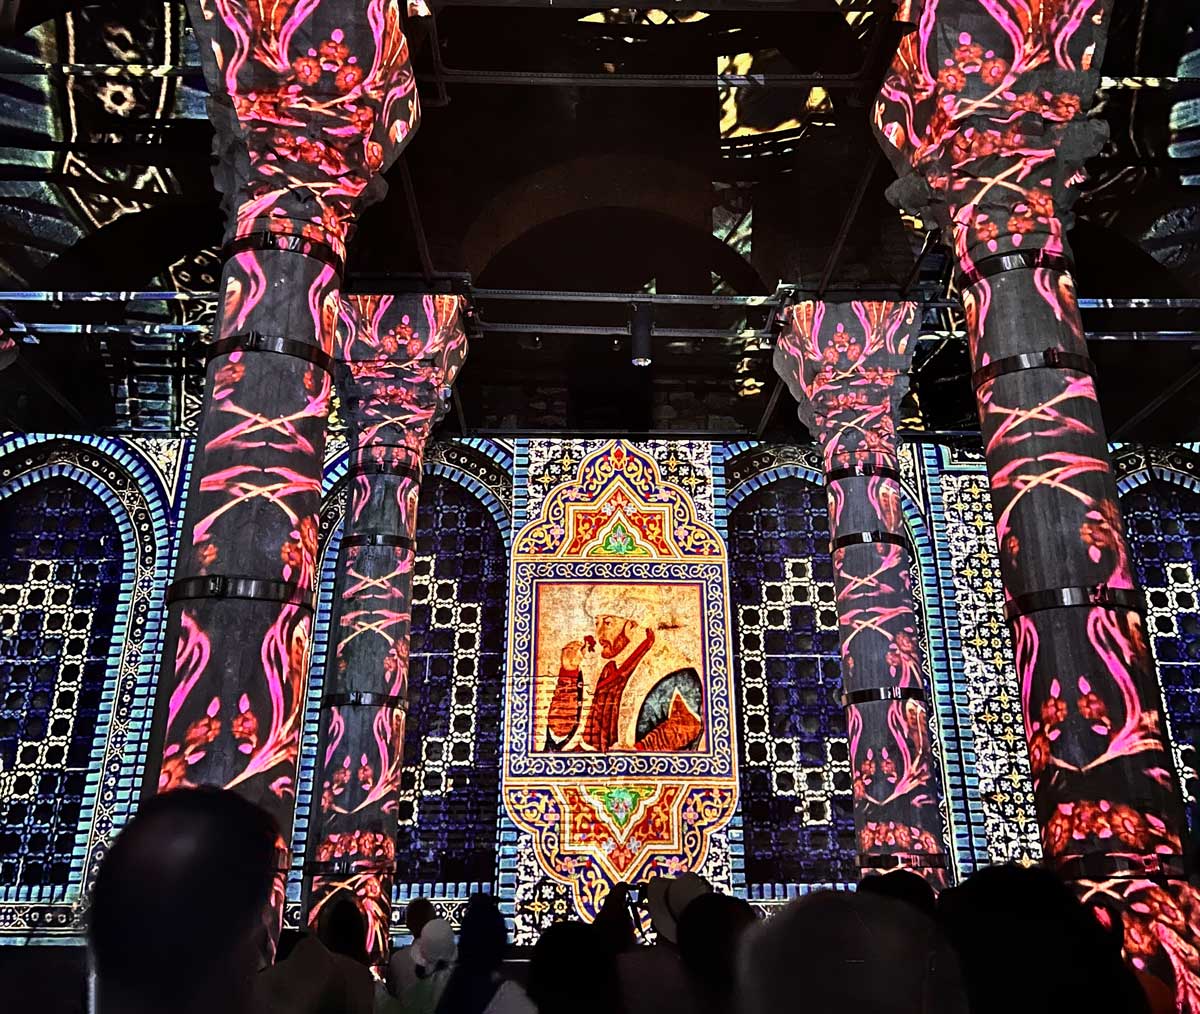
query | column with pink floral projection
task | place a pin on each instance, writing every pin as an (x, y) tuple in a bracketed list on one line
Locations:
[(309, 103), (397, 359), (847, 366), (982, 113)]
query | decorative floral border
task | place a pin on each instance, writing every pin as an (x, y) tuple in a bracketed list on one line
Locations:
[(521, 763)]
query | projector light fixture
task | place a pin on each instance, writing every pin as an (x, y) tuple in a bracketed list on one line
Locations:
[(641, 327)]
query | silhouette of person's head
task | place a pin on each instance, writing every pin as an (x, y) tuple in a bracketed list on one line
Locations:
[(710, 929), (417, 913), (903, 885), (567, 955), (1026, 942), (837, 951), (178, 912), (342, 927), (614, 922), (482, 941)]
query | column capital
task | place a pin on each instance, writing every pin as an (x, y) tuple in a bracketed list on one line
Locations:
[(310, 104), (846, 364), (398, 358), (982, 116)]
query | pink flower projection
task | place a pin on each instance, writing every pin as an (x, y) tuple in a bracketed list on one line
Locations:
[(309, 103), (399, 356), (983, 115), (847, 365), (312, 101)]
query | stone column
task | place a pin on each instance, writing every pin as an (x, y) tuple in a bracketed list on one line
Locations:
[(397, 361), (982, 113), (309, 105), (847, 366)]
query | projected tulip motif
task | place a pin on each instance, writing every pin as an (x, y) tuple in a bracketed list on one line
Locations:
[(310, 102), (983, 115), (846, 365), (398, 357)]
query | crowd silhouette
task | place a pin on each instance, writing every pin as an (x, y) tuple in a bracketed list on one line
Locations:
[(182, 907)]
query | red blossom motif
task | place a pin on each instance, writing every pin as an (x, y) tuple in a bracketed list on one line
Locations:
[(986, 231), (335, 52), (1065, 106), (201, 732), (348, 77), (968, 55), (993, 71), (1039, 753), (230, 374), (173, 773), (1040, 202), (1093, 708), (291, 554), (952, 79), (1054, 711), (1027, 102), (307, 70)]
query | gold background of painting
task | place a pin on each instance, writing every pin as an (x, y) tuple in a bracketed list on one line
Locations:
[(672, 610)]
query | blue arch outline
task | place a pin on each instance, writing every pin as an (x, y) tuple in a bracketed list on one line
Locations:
[(117, 775), (1135, 480), (335, 474), (954, 764), (112, 664)]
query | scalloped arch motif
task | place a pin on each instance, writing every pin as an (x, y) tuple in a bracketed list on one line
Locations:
[(616, 484), (623, 767), (128, 486)]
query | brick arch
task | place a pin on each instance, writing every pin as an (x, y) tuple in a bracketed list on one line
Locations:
[(660, 187)]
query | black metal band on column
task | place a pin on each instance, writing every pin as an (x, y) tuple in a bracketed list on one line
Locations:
[(868, 695), (867, 538), (286, 242), (345, 867), (364, 699), (400, 469), (1101, 866), (1049, 359), (862, 469), (1068, 598), (905, 861), (380, 539), (226, 586), (1020, 260), (256, 341)]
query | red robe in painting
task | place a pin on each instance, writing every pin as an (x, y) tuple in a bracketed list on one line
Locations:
[(602, 730)]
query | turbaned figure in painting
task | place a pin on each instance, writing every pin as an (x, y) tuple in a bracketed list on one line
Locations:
[(648, 694)]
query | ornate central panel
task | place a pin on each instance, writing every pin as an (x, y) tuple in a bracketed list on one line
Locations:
[(619, 727)]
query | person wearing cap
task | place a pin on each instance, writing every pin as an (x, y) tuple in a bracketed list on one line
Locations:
[(402, 966), (653, 980), (434, 955)]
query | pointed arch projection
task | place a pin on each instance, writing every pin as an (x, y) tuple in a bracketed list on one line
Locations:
[(449, 791), (83, 557), (1160, 500), (796, 787)]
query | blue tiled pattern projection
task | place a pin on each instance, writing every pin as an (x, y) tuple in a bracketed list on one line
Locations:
[(1164, 532), (450, 785), (60, 573), (795, 776)]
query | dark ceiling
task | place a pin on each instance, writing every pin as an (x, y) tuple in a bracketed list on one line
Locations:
[(565, 149)]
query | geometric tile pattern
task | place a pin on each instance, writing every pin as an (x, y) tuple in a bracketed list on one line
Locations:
[(450, 782), (1163, 524), (992, 689), (61, 564), (795, 780)]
